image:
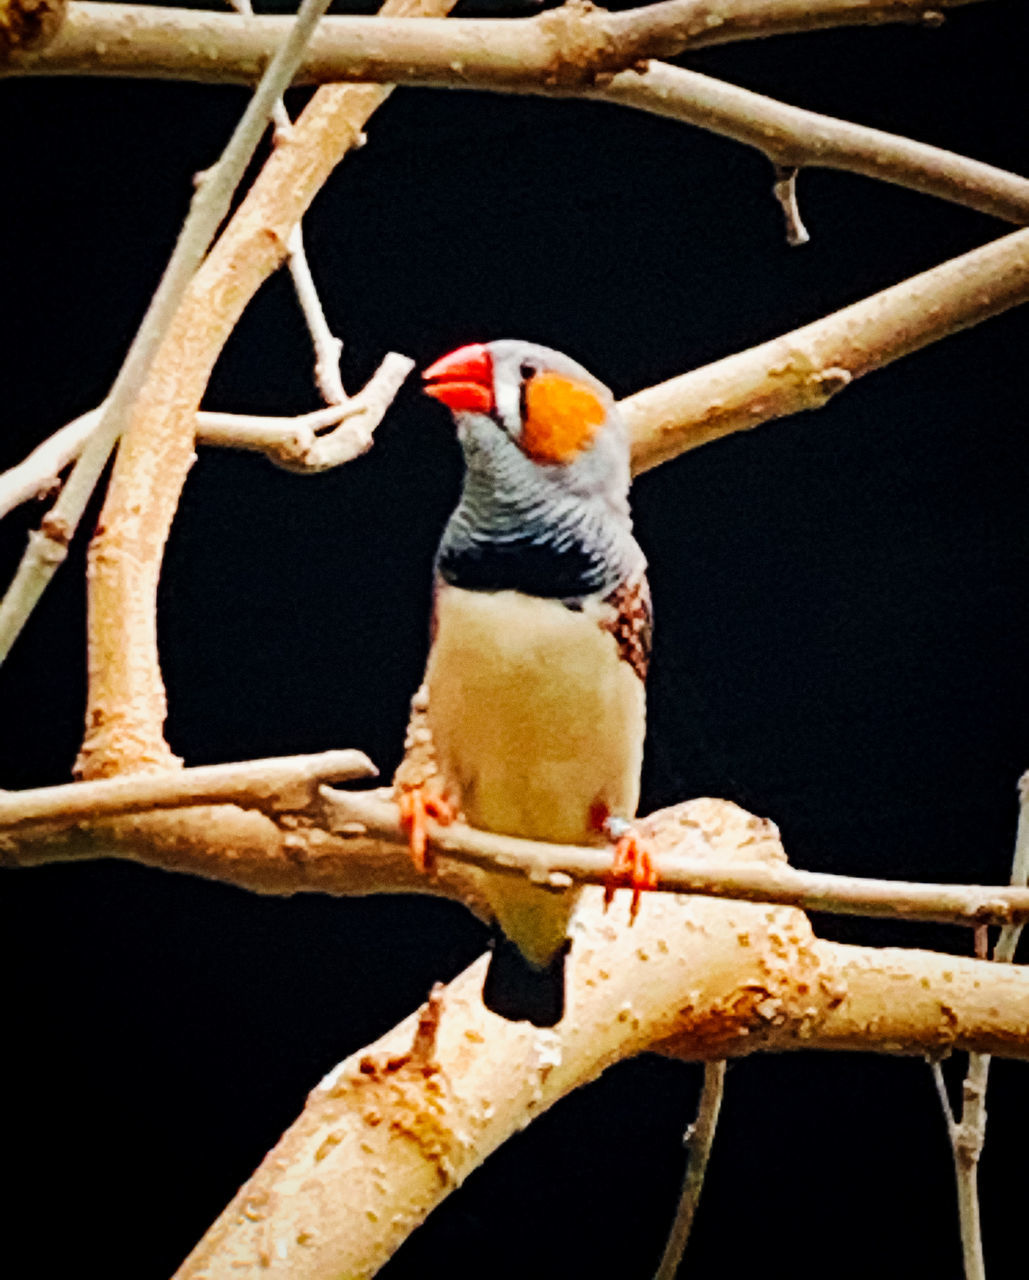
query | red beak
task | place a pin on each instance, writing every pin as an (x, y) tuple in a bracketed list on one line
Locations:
[(462, 380)]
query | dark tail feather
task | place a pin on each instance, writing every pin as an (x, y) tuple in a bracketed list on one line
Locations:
[(518, 991)]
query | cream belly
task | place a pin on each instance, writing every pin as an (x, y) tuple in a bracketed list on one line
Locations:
[(536, 720), (537, 726)]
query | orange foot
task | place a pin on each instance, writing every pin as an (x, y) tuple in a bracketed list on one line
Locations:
[(417, 805), (631, 868)]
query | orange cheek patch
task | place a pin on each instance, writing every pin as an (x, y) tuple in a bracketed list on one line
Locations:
[(561, 418)]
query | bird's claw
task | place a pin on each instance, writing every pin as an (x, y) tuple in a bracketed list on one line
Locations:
[(417, 806), (631, 868)]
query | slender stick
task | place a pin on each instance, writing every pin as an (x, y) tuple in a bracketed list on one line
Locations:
[(327, 347), (272, 784), (559, 866), (699, 1139), (295, 443), (567, 46), (210, 204), (793, 137), (127, 702), (805, 368), (175, 43), (968, 1135)]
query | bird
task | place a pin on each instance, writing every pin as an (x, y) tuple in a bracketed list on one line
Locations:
[(531, 717)]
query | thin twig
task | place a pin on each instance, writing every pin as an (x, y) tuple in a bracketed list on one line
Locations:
[(699, 1139), (806, 368), (127, 702), (968, 1135), (274, 784), (290, 442), (941, 1092), (559, 866), (327, 347), (175, 44), (364, 412), (208, 208), (785, 191), (573, 45), (794, 137)]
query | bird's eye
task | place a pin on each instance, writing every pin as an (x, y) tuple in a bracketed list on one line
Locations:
[(527, 370)]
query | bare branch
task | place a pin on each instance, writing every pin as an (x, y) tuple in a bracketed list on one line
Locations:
[(27, 25), (168, 43), (699, 1139), (126, 708), (327, 347), (968, 1135), (785, 191), (40, 472), (358, 825), (800, 370), (364, 412), (210, 204), (384, 1140), (794, 138), (805, 368), (687, 867), (277, 784), (569, 46), (298, 444)]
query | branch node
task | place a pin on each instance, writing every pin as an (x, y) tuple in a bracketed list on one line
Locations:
[(785, 190), (28, 24), (423, 1047)]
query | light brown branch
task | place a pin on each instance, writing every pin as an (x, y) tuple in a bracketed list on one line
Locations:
[(327, 347), (686, 867), (27, 25), (170, 44), (784, 188), (968, 1135), (299, 443), (805, 368), (572, 45), (49, 544), (794, 138), (346, 834), (383, 1139), (275, 785), (126, 706), (699, 1139)]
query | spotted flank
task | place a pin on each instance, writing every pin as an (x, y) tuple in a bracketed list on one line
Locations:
[(631, 623)]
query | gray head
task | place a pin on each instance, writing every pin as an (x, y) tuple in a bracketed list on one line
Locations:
[(511, 395), (544, 507)]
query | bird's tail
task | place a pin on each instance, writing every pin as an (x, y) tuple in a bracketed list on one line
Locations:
[(517, 990)]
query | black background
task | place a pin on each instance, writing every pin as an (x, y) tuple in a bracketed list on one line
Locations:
[(842, 619)]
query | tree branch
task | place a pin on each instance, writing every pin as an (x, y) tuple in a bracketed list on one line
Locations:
[(572, 45), (805, 368), (26, 25), (298, 444), (968, 1135), (686, 866), (699, 1139), (793, 138), (275, 785), (343, 831), (383, 1139), (190, 44), (126, 708), (48, 546)]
